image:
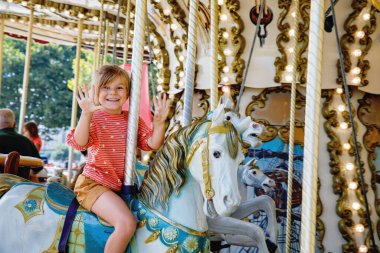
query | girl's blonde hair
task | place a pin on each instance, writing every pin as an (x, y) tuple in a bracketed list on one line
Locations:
[(105, 75)]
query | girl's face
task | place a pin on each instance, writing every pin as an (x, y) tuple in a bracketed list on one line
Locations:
[(26, 133), (113, 95)]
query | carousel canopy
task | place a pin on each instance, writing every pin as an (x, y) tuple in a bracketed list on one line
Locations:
[(57, 22)]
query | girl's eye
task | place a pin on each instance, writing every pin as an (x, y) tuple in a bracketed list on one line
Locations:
[(120, 88)]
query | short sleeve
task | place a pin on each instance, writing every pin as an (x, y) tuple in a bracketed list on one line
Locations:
[(144, 133), (71, 142)]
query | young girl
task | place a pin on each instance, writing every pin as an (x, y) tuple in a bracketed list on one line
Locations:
[(30, 130), (102, 130)]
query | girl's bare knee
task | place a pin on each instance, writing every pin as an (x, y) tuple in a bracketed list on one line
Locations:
[(126, 225)]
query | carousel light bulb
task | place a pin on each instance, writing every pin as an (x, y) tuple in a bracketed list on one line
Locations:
[(353, 185), (291, 50), (343, 125), (159, 88), (350, 166), (226, 89), (181, 74), (173, 26), (346, 146), (151, 37), (292, 32), (366, 16), (289, 68), (339, 90), (167, 12), (181, 83), (156, 51), (24, 3), (220, 2), (226, 79), (52, 9), (131, 32), (12, 20), (341, 108), (95, 18), (356, 71), (357, 52), (37, 6), (178, 42), (359, 228), (223, 17), (227, 51), (356, 206), (159, 80), (288, 78), (356, 80), (146, 158), (132, 15), (157, 1), (360, 34), (226, 69), (226, 35), (159, 65), (181, 57), (363, 249), (293, 14), (80, 15)]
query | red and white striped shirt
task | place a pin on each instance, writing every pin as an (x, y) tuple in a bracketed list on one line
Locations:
[(106, 147)]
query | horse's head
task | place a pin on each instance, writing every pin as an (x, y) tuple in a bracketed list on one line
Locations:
[(218, 152), (254, 177)]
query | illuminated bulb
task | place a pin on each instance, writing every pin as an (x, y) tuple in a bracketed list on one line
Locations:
[(146, 158), (343, 125), (357, 52), (52, 9), (80, 15), (21, 21), (159, 88), (132, 15), (356, 80), (178, 42), (151, 37), (363, 249), (341, 108), (294, 14), (356, 206), (181, 83), (159, 65), (95, 18), (289, 68), (173, 26), (366, 16), (288, 78), (131, 32), (181, 58), (226, 35), (225, 79), (359, 228), (226, 69), (226, 89), (156, 51), (360, 34), (356, 71), (37, 6), (181, 74), (346, 146), (339, 90), (227, 51), (291, 50), (353, 185), (12, 20), (24, 3), (166, 12), (292, 32), (350, 166), (220, 2), (223, 17), (157, 1), (159, 80)]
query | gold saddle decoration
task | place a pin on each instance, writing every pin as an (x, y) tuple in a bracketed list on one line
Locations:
[(33, 203)]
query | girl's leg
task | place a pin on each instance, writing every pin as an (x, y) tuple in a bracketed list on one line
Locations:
[(110, 207)]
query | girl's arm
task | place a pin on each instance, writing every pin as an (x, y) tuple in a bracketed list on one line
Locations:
[(161, 106), (86, 103)]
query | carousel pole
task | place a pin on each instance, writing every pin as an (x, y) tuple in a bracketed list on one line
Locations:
[(28, 54), (190, 63), (1, 50), (106, 41), (127, 26), (312, 114), (214, 54), (74, 107), (99, 44), (289, 199), (137, 62)]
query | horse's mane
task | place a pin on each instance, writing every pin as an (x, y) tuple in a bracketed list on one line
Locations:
[(167, 173)]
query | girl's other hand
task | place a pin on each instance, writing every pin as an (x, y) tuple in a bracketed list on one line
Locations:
[(161, 106), (86, 100)]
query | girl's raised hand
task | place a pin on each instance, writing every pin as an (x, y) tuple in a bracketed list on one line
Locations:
[(161, 107), (86, 100)]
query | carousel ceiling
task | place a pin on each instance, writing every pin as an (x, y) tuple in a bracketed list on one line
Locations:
[(57, 22)]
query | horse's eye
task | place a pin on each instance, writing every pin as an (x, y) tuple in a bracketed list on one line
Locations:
[(254, 172), (228, 118), (216, 154)]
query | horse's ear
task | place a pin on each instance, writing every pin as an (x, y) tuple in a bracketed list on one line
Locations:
[(243, 125), (218, 115), (227, 101)]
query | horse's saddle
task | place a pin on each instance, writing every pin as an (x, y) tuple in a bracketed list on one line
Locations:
[(7, 181)]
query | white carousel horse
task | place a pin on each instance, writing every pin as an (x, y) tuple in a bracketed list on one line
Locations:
[(232, 229), (187, 182)]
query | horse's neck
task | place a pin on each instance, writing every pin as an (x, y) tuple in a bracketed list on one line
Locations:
[(186, 208)]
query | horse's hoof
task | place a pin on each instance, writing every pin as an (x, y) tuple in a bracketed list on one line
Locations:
[(272, 247)]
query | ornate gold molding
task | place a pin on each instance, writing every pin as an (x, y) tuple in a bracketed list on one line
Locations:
[(303, 40)]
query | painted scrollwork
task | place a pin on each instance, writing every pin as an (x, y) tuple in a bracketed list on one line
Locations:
[(303, 40)]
